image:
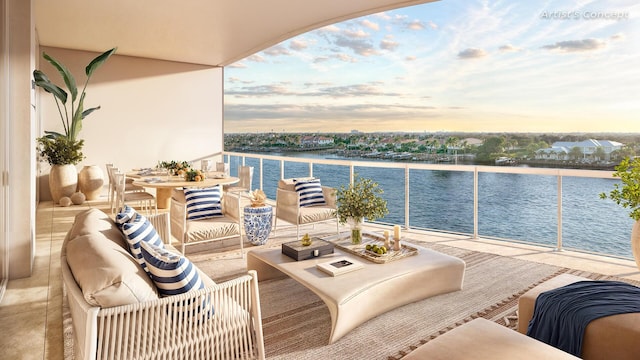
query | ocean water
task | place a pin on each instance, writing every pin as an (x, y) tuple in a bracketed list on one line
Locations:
[(510, 206)]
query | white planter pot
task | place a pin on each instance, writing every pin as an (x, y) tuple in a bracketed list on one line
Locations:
[(90, 181), (63, 181)]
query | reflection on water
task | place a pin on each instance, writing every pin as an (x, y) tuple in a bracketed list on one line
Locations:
[(510, 206)]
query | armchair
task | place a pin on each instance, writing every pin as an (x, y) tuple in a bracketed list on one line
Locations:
[(289, 209), (192, 231)]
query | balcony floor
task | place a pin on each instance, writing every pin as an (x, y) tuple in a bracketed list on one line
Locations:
[(31, 309)]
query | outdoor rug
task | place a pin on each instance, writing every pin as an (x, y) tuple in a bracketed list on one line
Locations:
[(297, 323)]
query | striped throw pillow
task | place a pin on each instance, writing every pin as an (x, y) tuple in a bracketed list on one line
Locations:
[(137, 231), (172, 274), (203, 203), (125, 214), (310, 192)]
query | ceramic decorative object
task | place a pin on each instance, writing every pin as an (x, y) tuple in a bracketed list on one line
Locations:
[(63, 181), (257, 224), (90, 181), (65, 201), (78, 198)]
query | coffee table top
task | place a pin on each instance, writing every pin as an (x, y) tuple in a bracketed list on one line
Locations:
[(344, 286)]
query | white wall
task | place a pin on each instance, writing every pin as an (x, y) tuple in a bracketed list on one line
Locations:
[(18, 142), (151, 110)]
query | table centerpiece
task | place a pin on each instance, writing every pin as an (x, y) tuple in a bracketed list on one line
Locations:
[(358, 201)]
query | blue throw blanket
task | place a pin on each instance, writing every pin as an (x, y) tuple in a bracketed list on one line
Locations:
[(560, 316)]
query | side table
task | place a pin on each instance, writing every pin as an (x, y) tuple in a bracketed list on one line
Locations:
[(258, 223)]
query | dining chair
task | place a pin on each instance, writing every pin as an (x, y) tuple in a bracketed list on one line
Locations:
[(145, 200), (129, 187), (223, 167), (245, 174)]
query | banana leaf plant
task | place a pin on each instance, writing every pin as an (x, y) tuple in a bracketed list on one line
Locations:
[(71, 115)]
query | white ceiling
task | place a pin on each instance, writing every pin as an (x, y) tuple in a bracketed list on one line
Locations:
[(209, 32)]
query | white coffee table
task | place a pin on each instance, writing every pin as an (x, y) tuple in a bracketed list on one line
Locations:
[(358, 296)]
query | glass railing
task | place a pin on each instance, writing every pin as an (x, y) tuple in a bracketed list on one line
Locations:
[(557, 208)]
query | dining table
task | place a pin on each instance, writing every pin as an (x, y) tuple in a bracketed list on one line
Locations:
[(164, 185)]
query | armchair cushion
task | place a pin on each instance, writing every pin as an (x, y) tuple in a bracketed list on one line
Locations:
[(289, 184), (139, 230), (310, 192), (203, 203)]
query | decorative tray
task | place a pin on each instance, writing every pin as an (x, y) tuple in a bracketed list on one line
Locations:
[(343, 242)]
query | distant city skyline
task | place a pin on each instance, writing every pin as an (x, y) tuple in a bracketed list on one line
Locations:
[(453, 65)]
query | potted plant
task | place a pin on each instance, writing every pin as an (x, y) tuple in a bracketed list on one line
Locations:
[(64, 150), (358, 201), (627, 194)]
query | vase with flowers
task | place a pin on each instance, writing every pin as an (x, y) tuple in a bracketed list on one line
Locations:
[(359, 201)]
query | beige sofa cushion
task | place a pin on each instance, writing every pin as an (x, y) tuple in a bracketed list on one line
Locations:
[(106, 273), (94, 221)]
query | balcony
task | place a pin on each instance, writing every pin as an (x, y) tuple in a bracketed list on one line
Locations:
[(31, 308)]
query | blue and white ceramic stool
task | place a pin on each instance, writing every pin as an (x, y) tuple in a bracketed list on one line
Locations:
[(258, 223)]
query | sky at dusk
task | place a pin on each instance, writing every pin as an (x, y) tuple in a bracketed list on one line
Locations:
[(452, 65)]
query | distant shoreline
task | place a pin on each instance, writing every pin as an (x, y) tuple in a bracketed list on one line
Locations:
[(462, 159)]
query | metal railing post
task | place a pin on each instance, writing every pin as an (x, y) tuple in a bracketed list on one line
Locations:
[(559, 244), (406, 197), (475, 202), (261, 174)]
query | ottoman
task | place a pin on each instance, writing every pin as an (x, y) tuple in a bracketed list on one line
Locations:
[(611, 337), (481, 339)]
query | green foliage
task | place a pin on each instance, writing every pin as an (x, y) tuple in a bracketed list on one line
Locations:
[(71, 117), (360, 200), (54, 147), (60, 150), (627, 194), (175, 167)]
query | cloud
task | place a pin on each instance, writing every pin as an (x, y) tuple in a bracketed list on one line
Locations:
[(433, 25), (276, 51), (345, 58), (356, 34), (298, 44), (388, 44), (576, 45), (260, 91), (370, 24), (410, 58), (311, 113), (618, 36), (256, 58), (238, 65), (358, 46), (284, 89), (235, 80), (357, 90), (416, 25), (509, 48), (472, 53)]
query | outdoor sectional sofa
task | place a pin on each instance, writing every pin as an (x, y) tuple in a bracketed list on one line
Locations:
[(117, 312)]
